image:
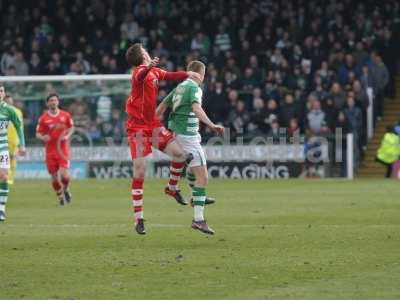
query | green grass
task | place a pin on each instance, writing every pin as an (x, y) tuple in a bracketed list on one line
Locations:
[(274, 240)]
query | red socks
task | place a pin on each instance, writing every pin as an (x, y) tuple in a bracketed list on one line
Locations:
[(57, 187), (137, 197), (175, 173)]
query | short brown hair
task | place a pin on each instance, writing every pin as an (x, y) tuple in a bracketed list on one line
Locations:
[(134, 55), (196, 66), (51, 95)]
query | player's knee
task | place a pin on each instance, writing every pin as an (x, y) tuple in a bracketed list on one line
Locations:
[(179, 155), (139, 170), (64, 176), (139, 173), (65, 179), (202, 180), (3, 176)]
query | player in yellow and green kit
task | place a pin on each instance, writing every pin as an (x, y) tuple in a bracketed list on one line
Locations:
[(7, 115), (186, 113), (13, 140)]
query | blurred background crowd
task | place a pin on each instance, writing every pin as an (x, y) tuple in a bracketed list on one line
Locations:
[(295, 64)]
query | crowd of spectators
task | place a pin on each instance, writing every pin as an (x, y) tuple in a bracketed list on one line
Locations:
[(304, 65)]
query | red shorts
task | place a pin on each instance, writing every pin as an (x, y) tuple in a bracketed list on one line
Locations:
[(141, 140), (56, 162)]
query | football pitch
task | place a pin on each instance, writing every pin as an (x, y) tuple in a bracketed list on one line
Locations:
[(296, 239)]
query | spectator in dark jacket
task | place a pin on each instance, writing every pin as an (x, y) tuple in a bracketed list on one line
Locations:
[(288, 111), (380, 75), (239, 119), (259, 118), (354, 115), (338, 96), (343, 123)]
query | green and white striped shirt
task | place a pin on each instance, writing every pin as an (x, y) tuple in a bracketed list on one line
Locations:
[(182, 119), (7, 115)]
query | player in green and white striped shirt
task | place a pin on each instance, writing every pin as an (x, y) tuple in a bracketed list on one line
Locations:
[(185, 101), (7, 115)]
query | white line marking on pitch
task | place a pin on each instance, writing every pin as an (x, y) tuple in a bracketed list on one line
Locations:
[(183, 226)]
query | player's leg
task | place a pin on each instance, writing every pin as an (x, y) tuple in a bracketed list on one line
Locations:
[(65, 178), (139, 172), (53, 169), (190, 178), (199, 198), (140, 147), (4, 167), (165, 141), (65, 182), (13, 164), (191, 181), (3, 192), (57, 187), (179, 159)]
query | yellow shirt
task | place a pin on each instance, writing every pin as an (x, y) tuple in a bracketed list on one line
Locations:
[(13, 140)]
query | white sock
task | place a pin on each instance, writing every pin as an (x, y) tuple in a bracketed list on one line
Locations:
[(173, 187), (3, 207), (198, 213), (139, 215)]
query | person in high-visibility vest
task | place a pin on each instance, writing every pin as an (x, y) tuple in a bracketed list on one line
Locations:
[(389, 150)]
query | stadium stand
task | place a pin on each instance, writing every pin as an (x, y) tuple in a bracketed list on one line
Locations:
[(304, 65)]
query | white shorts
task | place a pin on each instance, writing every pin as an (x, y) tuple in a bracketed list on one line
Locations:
[(4, 160), (192, 144)]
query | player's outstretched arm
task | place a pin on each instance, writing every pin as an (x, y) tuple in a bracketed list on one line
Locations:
[(201, 114), (181, 76)]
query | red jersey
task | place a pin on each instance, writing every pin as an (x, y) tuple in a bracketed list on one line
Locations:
[(142, 102), (55, 126)]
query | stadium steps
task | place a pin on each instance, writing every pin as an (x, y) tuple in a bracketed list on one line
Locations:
[(369, 168)]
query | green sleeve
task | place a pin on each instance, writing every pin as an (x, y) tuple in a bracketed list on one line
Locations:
[(18, 124), (196, 95), (168, 100)]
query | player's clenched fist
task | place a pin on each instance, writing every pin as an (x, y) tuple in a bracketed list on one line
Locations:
[(154, 62)]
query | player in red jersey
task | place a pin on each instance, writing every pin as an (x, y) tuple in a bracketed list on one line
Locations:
[(55, 127), (144, 128)]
